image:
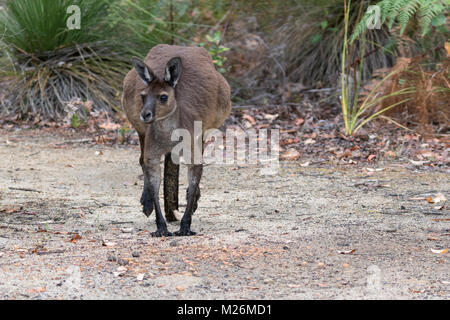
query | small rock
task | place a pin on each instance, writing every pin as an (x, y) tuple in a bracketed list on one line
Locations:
[(285, 248), (140, 277), (108, 243), (122, 262), (173, 243), (135, 254), (112, 258), (266, 281), (120, 271)]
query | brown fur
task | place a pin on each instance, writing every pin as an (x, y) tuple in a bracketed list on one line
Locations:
[(202, 93)]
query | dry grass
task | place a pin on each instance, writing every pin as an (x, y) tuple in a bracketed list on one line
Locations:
[(428, 109)]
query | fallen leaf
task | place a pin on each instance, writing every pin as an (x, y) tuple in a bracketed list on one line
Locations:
[(37, 290), (249, 118), (320, 265), (180, 288), (443, 251), (347, 251), (13, 209), (309, 141), (108, 244), (288, 131), (289, 141), (75, 238), (270, 116), (371, 157), (299, 121), (247, 124), (109, 126), (127, 230), (305, 164), (290, 154), (374, 169), (439, 197), (415, 291), (418, 163), (390, 153)]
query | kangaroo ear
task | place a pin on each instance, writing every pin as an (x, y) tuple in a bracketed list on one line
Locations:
[(143, 71), (173, 71)]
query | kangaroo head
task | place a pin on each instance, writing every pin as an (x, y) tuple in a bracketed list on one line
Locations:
[(158, 97)]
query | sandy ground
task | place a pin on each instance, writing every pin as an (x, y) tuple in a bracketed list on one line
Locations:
[(316, 232)]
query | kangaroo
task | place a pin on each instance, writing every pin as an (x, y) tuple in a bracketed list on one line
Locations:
[(173, 87)]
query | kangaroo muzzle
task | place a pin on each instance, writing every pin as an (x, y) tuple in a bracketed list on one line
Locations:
[(148, 114), (147, 117)]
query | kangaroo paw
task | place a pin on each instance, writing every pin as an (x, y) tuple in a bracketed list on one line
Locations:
[(161, 232), (185, 231)]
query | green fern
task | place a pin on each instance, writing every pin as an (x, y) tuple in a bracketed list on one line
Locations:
[(400, 12)]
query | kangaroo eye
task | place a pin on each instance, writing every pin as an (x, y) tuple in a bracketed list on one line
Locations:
[(163, 98)]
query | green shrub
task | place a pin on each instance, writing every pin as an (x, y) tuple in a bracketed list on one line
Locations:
[(52, 65), (216, 50)]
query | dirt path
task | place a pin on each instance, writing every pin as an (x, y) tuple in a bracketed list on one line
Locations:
[(78, 231)]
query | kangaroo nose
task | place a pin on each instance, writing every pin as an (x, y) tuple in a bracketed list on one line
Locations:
[(146, 116)]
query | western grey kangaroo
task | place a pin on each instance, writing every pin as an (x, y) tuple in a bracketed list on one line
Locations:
[(173, 87)]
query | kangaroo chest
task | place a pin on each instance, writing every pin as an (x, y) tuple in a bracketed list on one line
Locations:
[(161, 135)]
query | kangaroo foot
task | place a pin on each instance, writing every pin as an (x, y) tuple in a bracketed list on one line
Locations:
[(185, 231), (161, 232)]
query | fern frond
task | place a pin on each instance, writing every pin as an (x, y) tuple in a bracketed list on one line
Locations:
[(401, 12), (406, 13)]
